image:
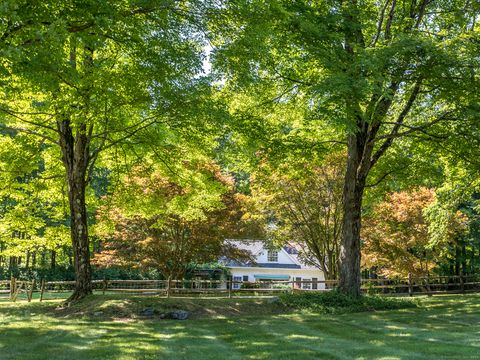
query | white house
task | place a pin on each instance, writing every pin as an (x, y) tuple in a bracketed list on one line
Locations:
[(281, 264)]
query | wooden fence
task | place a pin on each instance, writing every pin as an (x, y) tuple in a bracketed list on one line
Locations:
[(14, 289)]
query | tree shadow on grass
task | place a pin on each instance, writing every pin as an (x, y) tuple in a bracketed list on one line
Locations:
[(446, 328), (139, 340)]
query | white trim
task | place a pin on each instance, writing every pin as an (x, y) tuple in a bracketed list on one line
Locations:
[(295, 261)]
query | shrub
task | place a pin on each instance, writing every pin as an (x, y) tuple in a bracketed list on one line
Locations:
[(281, 286), (250, 285), (56, 274), (117, 273), (337, 302), (67, 273)]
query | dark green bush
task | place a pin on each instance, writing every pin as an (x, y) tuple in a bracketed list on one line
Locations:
[(337, 302), (125, 274), (61, 273), (57, 274), (250, 285)]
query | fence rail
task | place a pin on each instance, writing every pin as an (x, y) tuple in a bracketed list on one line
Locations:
[(16, 288)]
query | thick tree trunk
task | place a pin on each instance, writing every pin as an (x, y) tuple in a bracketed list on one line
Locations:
[(75, 159), (349, 277), (79, 234)]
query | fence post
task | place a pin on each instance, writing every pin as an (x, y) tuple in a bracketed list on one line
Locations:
[(462, 282), (429, 290), (17, 290), (30, 291), (410, 287), (42, 289), (168, 287), (104, 286), (229, 285), (12, 287)]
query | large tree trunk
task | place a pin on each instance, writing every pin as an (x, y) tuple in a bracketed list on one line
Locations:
[(81, 249), (75, 159), (349, 277), (368, 120)]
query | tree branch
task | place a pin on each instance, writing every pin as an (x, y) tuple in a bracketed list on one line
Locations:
[(388, 26), (379, 180), (28, 131), (15, 114), (401, 117), (420, 129), (380, 24)]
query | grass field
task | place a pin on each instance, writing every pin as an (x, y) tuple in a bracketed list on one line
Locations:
[(443, 327)]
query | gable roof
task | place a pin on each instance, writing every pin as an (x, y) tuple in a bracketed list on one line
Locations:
[(256, 247)]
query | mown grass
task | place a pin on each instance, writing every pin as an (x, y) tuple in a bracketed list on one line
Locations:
[(443, 327)]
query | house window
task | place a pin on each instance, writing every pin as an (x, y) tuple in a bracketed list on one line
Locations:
[(298, 282), (272, 256), (245, 277), (314, 283), (236, 282), (307, 285)]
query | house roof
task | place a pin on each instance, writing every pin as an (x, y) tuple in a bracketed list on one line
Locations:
[(265, 265), (255, 247)]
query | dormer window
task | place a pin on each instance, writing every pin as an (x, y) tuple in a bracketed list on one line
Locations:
[(272, 256)]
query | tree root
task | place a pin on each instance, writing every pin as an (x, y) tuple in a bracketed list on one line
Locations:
[(77, 296)]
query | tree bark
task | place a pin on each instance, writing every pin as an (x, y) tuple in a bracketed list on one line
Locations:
[(75, 152), (349, 279), (80, 243), (76, 160)]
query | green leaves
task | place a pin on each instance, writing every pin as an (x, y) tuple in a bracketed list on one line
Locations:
[(96, 87)]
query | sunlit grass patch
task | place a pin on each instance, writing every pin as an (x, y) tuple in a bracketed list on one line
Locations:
[(442, 327)]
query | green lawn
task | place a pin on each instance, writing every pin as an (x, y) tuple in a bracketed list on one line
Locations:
[(442, 327)]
